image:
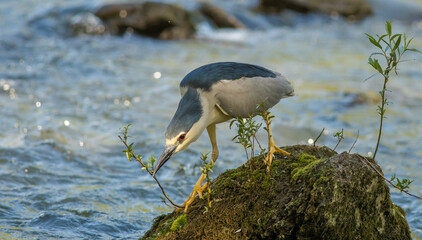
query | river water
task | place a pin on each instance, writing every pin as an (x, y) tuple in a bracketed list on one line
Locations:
[(64, 100)]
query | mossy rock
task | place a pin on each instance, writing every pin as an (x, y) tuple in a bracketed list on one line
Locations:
[(314, 194)]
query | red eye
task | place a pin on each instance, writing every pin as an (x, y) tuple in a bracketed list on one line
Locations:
[(182, 137)]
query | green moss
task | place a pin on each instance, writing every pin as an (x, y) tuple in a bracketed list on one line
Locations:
[(239, 174), (300, 171), (178, 224), (258, 178), (398, 210), (306, 158), (303, 164), (320, 180)]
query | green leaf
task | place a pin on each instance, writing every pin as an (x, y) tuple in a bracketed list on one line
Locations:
[(370, 77), (373, 41), (231, 123), (394, 36), (376, 53), (128, 156), (397, 44), (408, 43), (381, 37), (388, 27), (386, 47), (375, 64), (413, 50)]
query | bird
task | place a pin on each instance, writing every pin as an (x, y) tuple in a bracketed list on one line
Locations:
[(215, 93)]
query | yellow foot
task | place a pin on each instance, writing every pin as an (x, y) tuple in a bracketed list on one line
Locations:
[(269, 159), (197, 190)]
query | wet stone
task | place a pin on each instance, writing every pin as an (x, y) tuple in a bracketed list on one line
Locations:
[(152, 19), (352, 9), (219, 17)]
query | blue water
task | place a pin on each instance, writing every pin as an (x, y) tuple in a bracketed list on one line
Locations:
[(64, 100)]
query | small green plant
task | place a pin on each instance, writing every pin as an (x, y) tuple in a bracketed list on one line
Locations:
[(206, 171), (130, 154), (391, 49), (402, 185), (148, 167), (247, 128), (339, 136)]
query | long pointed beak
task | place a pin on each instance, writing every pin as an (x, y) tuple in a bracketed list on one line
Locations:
[(165, 156)]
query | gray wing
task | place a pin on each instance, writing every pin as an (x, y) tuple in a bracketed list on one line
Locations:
[(240, 98)]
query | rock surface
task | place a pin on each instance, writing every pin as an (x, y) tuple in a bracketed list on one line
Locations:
[(317, 194), (353, 9), (152, 19), (219, 17)]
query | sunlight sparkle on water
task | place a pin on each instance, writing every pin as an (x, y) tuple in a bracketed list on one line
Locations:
[(6, 87), (157, 75), (66, 123), (310, 141), (38, 104)]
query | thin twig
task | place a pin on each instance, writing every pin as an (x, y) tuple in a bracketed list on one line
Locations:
[(381, 175), (316, 139), (354, 142), (252, 146), (156, 180), (259, 144)]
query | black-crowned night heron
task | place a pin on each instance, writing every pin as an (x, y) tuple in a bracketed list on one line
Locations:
[(215, 93)]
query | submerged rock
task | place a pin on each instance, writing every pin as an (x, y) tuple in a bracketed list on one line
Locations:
[(317, 194), (353, 9), (152, 19)]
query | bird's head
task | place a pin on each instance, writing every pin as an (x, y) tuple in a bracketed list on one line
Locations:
[(186, 126)]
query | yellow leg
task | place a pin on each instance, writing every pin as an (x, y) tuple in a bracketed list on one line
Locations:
[(272, 148), (198, 188)]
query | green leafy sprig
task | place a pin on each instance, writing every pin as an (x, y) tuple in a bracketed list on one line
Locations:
[(391, 48), (130, 154), (206, 171)]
